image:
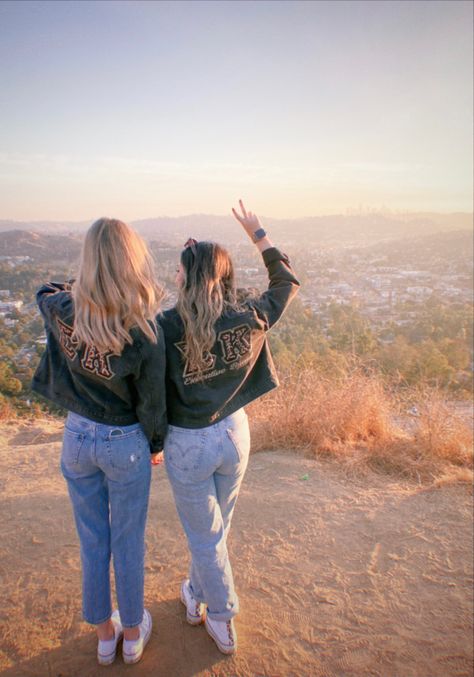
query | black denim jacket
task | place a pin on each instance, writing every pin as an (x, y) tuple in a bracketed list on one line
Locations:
[(240, 366), (107, 388)]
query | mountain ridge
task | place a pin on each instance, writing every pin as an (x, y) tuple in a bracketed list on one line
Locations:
[(366, 228)]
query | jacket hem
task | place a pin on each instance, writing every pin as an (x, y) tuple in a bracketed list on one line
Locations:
[(232, 407), (72, 405)]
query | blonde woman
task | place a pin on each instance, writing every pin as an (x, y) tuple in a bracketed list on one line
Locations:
[(218, 360), (105, 363)]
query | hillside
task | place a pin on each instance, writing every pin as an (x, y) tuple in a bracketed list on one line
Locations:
[(435, 249), (363, 228), (40, 247), (337, 576)]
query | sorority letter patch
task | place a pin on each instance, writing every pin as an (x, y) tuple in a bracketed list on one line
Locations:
[(97, 362), (93, 360), (66, 339), (235, 343)]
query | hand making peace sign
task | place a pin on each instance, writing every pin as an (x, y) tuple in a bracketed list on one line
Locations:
[(249, 220)]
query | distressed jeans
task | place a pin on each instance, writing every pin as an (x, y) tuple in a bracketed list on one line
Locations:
[(205, 467), (108, 470)]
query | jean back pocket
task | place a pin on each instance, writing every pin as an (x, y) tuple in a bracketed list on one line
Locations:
[(125, 448), (184, 449)]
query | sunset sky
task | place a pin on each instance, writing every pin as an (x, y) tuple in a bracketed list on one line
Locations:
[(141, 109)]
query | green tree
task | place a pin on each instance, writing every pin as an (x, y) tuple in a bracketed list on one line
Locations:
[(349, 331)]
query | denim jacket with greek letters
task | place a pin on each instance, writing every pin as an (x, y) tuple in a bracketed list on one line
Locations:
[(105, 387), (239, 366)]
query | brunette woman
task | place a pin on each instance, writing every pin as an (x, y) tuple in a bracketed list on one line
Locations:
[(105, 363), (218, 360)]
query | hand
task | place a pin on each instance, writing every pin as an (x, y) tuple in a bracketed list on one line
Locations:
[(157, 458), (249, 221)]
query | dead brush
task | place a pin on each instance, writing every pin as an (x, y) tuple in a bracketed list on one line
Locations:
[(320, 414), (356, 418), (443, 433), (7, 412)]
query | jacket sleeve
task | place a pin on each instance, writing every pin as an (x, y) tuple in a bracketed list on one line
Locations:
[(150, 386), (282, 288), (46, 292)]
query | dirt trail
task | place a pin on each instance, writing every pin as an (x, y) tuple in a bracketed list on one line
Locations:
[(336, 576)]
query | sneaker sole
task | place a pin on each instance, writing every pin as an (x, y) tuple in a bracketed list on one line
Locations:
[(192, 620), (130, 659), (223, 648), (106, 660)]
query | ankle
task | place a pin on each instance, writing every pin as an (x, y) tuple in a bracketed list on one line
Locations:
[(105, 630), (131, 634)]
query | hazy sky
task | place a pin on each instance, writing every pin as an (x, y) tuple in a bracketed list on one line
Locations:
[(139, 109)]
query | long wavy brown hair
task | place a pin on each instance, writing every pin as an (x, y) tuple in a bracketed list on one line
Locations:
[(208, 291), (116, 288)]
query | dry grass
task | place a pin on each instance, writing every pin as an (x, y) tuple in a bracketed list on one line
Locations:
[(358, 420), (318, 413), (7, 412), (441, 433)]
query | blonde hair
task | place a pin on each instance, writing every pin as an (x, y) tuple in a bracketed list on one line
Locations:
[(115, 289), (207, 292)]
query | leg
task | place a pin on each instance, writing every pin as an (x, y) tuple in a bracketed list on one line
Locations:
[(191, 457), (195, 583), (202, 522), (89, 497), (229, 476), (228, 487), (128, 478)]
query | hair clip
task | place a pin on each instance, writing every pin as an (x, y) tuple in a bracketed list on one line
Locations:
[(191, 243)]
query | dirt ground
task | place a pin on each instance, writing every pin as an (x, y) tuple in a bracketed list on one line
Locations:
[(337, 576)]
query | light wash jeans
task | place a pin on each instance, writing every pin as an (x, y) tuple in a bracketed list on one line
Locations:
[(108, 470), (205, 467)]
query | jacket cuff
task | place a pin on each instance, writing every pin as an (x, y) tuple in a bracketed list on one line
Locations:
[(273, 254), (156, 446)]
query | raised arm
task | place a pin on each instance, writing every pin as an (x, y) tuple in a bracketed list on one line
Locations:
[(283, 284)]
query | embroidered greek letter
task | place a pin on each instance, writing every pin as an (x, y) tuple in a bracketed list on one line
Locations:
[(96, 362), (235, 343), (93, 361), (209, 361), (66, 339)]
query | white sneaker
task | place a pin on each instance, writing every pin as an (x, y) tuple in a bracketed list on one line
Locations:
[(133, 648), (107, 649), (223, 633), (194, 609)]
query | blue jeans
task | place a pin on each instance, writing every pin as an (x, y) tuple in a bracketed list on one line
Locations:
[(108, 470), (205, 467)]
